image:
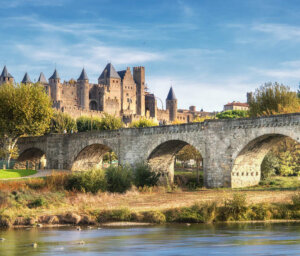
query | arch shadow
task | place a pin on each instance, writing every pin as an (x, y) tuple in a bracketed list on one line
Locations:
[(89, 157), (161, 158), (31, 158), (246, 170)]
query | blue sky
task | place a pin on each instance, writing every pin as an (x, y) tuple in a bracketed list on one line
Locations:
[(211, 51)]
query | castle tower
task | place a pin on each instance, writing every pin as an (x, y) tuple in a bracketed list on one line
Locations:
[(6, 77), (109, 76), (139, 78), (112, 90), (171, 103), (55, 86), (43, 81), (26, 79), (83, 88)]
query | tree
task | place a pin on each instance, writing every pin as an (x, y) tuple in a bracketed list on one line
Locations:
[(25, 110), (232, 114), (62, 122), (273, 99), (107, 122), (85, 123), (143, 122), (189, 152)]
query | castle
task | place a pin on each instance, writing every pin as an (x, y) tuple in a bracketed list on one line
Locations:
[(123, 94)]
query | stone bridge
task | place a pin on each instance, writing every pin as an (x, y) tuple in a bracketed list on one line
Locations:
[(232, 150)]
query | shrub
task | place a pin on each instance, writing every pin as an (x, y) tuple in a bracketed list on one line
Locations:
[(119, 178), (234, 209), (114, 215), (85, 123), (194, 214), (109, 122), (296, 201), (89, 181), (61, 122), (143, 122), (37, 203), (154, 217), (144, 176)]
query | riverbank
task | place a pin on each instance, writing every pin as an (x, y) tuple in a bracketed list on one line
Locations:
[(24, 206)]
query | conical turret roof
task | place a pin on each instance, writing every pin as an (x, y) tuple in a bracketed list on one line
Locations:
[(5, 73), (109, 72), (42, 79), (83, 75), (171, 94), (26, 79), (55, 75)]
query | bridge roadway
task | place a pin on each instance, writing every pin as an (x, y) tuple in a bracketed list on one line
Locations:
[(232, 150)]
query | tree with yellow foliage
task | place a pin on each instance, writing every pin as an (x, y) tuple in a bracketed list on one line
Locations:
[(25, 110), (274, 99)]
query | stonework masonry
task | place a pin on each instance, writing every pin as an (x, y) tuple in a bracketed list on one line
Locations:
[(232, 150)]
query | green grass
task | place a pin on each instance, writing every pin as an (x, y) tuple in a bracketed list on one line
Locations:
[(277, 183), (7, 174)]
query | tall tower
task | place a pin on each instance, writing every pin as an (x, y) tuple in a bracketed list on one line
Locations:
[(83, 89), (171, 103), (55, 86), (139, 78), (26, 79), (6, 77)]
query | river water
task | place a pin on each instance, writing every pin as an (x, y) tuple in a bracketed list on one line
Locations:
[(196, 239)]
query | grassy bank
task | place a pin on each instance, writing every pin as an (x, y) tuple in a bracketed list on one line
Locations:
[(12, 173), (47, 201)]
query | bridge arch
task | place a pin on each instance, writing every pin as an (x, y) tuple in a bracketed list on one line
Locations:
[(246, 170), (31, 158), (90, 156), (161, 157)]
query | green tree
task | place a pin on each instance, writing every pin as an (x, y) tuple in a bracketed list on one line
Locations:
[(109, 122), (273, 99), (269, 166), (61, 122), (85, 123), (143, 122), (25, 110), (232, 114), (189, 152)]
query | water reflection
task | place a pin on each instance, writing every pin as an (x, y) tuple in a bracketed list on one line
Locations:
[(220, 239)]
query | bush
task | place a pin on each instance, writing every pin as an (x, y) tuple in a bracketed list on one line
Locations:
[(296, 201), (89, 181), (119, 179), (144, 176), (232, 114), (61, 122), (85, 123), (114, 215), (143, 122), (154, 217), (37, 203), (234, 209)]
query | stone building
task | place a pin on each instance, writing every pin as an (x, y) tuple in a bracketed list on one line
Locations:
[(121, 93), (235, 105)]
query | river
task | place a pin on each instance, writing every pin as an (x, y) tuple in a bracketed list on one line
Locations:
[(196, 239)]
